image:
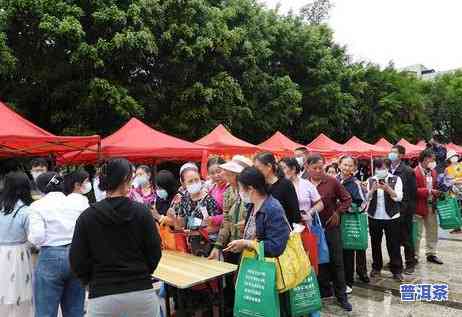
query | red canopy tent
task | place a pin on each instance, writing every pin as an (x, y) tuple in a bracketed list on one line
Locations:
[(326, 146), (412, 150), (384, 144), (357, 147), (20, 137), (140, 143), (220, 141), (280, 144)]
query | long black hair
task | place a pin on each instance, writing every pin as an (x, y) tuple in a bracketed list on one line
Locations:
[(268, 158), (17, 187), (75, 177), (114, 173), (251, 176)]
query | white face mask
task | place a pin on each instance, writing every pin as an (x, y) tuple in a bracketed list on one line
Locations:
[(35, 175), (245, 197), (140, 181), (454, 159), (86, 188), (194, 188), (300, 161), (162, 193), (381, 174), (432, 165)]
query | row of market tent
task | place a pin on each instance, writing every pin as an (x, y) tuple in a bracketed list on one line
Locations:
[(138, 142)]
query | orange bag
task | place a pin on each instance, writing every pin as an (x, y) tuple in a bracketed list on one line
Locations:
[(311, 247), (167, 237)]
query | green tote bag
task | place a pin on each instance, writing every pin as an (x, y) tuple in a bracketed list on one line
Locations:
[(449, 213), (256, 293), (354, 230), (305, 298)]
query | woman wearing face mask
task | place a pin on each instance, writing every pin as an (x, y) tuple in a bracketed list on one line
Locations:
[(115, 249), (15, 256), (309, 199), (385, 192), (348, 166), (196, 207), (51, 227), (280, 187), (143, 191), (265, 220), (166, 189)]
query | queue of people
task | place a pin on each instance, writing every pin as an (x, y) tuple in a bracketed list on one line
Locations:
[(110, 248)]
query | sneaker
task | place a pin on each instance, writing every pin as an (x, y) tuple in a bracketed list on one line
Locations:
[(398, 277), (375, 273), (348, 289), (345, 304), (409, 270)]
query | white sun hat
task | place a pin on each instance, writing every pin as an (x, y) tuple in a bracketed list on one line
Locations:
[(237, 164)]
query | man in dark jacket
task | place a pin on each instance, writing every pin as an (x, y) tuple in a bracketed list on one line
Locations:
[(407, 212)]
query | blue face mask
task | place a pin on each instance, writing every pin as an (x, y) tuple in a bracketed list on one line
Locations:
[(162, 193), (393, 156)]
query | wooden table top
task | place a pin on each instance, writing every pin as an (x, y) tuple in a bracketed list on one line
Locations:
[(182, 270)]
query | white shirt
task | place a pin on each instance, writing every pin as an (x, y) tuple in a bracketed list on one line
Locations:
[(52, 218), (380, 212)]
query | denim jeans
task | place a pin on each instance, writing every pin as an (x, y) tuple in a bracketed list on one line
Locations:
[(54, 285)]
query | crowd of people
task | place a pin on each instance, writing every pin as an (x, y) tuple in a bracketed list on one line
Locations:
[(100, 236)]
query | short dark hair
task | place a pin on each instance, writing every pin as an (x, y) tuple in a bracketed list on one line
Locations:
[(251, 176), (379, 163), (292, 163), (39, 161), (426, 154), (17, 187), (401, 149), (355, 161), (114, 173), (314, 158), (302, 149), (215, 160), (75, 177), (50, 182)]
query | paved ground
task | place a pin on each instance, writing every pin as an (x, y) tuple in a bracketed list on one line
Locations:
[(382, 298)]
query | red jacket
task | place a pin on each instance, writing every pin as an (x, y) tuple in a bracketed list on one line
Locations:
[(422, 191)]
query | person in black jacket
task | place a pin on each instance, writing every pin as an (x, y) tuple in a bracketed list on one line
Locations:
[(347, 166), (279, 187), (116, 248), (408, 204)]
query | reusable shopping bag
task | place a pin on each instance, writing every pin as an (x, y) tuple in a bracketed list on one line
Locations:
[(323, 249), (305, 298), (449, 213), (354, 230)]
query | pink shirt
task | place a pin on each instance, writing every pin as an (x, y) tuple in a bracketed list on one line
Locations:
[(217, 192), (307, 194), (136, 194)]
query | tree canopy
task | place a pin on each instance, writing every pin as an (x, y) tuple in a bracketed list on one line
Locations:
[(77, 67)]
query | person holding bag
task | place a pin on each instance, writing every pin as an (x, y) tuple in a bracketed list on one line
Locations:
[(347, 166), (265, 220)]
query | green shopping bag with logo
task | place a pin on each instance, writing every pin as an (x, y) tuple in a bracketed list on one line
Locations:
[(449, 213), (305, 298), (354, 229), (256, 293)]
